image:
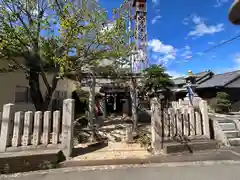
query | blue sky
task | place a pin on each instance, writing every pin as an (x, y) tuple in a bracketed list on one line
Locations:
[(180, 30)]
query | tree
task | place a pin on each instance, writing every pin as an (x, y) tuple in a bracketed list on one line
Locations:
[(223, 103), (58, 37), (155, 78)]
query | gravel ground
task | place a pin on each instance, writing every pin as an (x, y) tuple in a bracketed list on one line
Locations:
[(113, 151)]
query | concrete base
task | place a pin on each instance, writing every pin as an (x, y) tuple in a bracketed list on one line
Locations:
[(191, 147), (29, 161)]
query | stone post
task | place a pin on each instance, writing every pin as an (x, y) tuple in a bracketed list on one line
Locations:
[(27, 130), (192, 121), (166, 124), (180, 103), (37, 128), (172, 122), (198, 124), (156, 127), (185, 121), (179, 122), (67, 131), (46, 127), (56, 127), (6, 129), (18, 127), (129, 135), (204, 111)]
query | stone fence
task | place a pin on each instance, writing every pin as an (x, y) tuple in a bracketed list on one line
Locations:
[(184, 121), (35, 130)]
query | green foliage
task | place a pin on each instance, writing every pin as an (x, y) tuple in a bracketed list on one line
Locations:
[(156, 78), (46, 33), (93, 38), (223, 103)]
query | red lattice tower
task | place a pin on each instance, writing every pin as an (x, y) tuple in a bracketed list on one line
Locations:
[(140, 61)]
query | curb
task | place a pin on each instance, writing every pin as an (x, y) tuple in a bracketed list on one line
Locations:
[(201, 156), (119, 167), (107, 162)]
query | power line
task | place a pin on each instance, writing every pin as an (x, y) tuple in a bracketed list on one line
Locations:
[(216, 46), (221, 44)]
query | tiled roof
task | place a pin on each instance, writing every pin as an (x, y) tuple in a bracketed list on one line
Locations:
[(199, 76), (220, 80), (180, 80)]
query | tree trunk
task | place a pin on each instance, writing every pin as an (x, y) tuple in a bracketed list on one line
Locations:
[(50, 92), (40, 103), (35, 90)]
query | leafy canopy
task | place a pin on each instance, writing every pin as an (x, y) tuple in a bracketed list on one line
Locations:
[(55, 30), (156, 78), (222, 99), (60, 36)]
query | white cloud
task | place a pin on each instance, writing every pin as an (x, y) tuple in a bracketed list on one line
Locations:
[(157, 46), (222, 41), (175, 74), (201, 28), (162, 53), (155, 2), (236, 65), (219, 3), (211, 43), (237, 60), (185, 21), (165, 59), (165, 54), (187, 52), (196, 19), (156, 18)]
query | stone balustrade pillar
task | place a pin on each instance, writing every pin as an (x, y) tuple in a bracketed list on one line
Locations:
[(67, 128), (156, 126), (7, 126)]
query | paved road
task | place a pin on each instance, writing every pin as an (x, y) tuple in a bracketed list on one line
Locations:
[(196, 172)]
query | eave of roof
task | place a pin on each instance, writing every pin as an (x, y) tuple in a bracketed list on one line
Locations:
[(220, 80)]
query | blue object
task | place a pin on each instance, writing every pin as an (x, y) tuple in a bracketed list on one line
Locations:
[(190, 94)]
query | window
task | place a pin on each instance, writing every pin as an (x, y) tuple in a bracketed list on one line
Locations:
[(22, 94)]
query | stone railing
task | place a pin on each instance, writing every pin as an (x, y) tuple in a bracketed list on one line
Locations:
[(35, 130), (179, 121)]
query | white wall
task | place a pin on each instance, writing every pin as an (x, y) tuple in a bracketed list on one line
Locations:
[(9, 81)]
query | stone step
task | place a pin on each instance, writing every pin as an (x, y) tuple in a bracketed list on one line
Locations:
[(234, 141), (225, 120), (232, 134), (228, 126)]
